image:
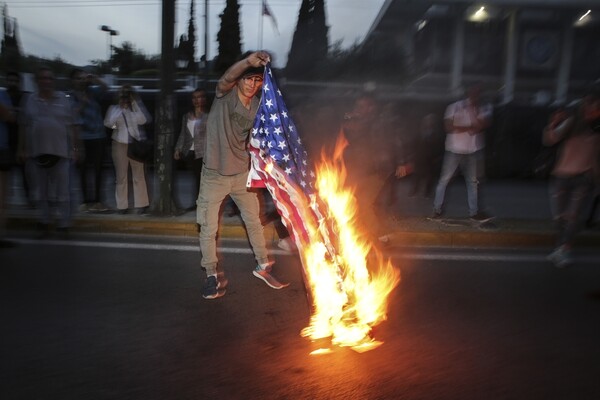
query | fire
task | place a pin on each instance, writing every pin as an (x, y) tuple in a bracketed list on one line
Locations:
[(349, 280)]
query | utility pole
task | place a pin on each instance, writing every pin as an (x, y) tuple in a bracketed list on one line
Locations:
[(162, 201)]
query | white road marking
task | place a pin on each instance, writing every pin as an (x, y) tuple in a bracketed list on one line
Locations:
[(138, 246), (433, 255)]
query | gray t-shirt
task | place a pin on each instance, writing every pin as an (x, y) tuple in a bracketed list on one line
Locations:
[(227, 130), (48, 125)]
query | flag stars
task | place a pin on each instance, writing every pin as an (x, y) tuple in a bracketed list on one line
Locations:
[(269, 103), (286, 157), (282, 145), (288, 171), (277, 131), (284, 113), (273, 117)]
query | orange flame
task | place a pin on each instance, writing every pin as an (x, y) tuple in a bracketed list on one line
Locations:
[(350, 281)]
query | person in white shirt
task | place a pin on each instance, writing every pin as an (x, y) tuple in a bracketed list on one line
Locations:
[(465, 122), (125, 119)]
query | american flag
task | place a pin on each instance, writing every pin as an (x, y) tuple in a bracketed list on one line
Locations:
[(280, 163)]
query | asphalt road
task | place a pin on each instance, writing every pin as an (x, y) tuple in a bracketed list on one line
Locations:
[(123, 318)]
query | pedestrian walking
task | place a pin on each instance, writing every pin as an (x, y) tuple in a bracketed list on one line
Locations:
[(226, 168), (575, 173), (465, 122)]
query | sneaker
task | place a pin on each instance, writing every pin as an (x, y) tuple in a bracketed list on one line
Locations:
[(265, 275), (287, 244), (211, 288), (481, 217), (97, 207), (142, 211), (560, 257), (436, 215)]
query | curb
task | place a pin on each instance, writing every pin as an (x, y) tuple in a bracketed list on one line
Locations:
[(405, 235)]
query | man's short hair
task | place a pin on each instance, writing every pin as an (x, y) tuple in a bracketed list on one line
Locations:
[(252, 71)]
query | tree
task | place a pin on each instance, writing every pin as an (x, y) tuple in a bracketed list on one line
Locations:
[(186, 49), (229, 37), (310, 41), (128, 59), (10, 54)]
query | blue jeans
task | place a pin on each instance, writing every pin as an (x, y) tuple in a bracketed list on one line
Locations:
[(468, 164), (570, 200)]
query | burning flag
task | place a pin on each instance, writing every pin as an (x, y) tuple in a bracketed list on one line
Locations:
[(348, 281)]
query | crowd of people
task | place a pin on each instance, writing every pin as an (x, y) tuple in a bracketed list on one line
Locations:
[(51, 136)]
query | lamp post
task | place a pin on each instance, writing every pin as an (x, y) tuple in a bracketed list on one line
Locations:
[(110, 33)]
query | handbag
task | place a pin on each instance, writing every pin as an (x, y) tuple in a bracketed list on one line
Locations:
[(141, 150)]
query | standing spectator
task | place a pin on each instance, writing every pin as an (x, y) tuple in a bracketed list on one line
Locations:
[(428, 155), (192, 138), (575, 171), (374, 159), (6, 160), (226, 167), (465, 122), (87, 90), (13, 88), (48, 141), (125, 119)]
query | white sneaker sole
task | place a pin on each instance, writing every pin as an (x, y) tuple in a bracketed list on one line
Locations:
[(277, 286)]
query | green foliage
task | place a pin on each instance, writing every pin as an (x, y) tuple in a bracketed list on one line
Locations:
[(57, 65), (186, 49), (228, 37), (145, 73), (127, 59), (310, 41)]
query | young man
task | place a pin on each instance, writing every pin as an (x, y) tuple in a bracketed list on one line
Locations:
[(465, 122), (226, 167)]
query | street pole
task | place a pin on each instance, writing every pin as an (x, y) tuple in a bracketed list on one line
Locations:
[(162, 201)]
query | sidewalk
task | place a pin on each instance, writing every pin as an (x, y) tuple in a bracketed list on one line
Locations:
[(521, 208)]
